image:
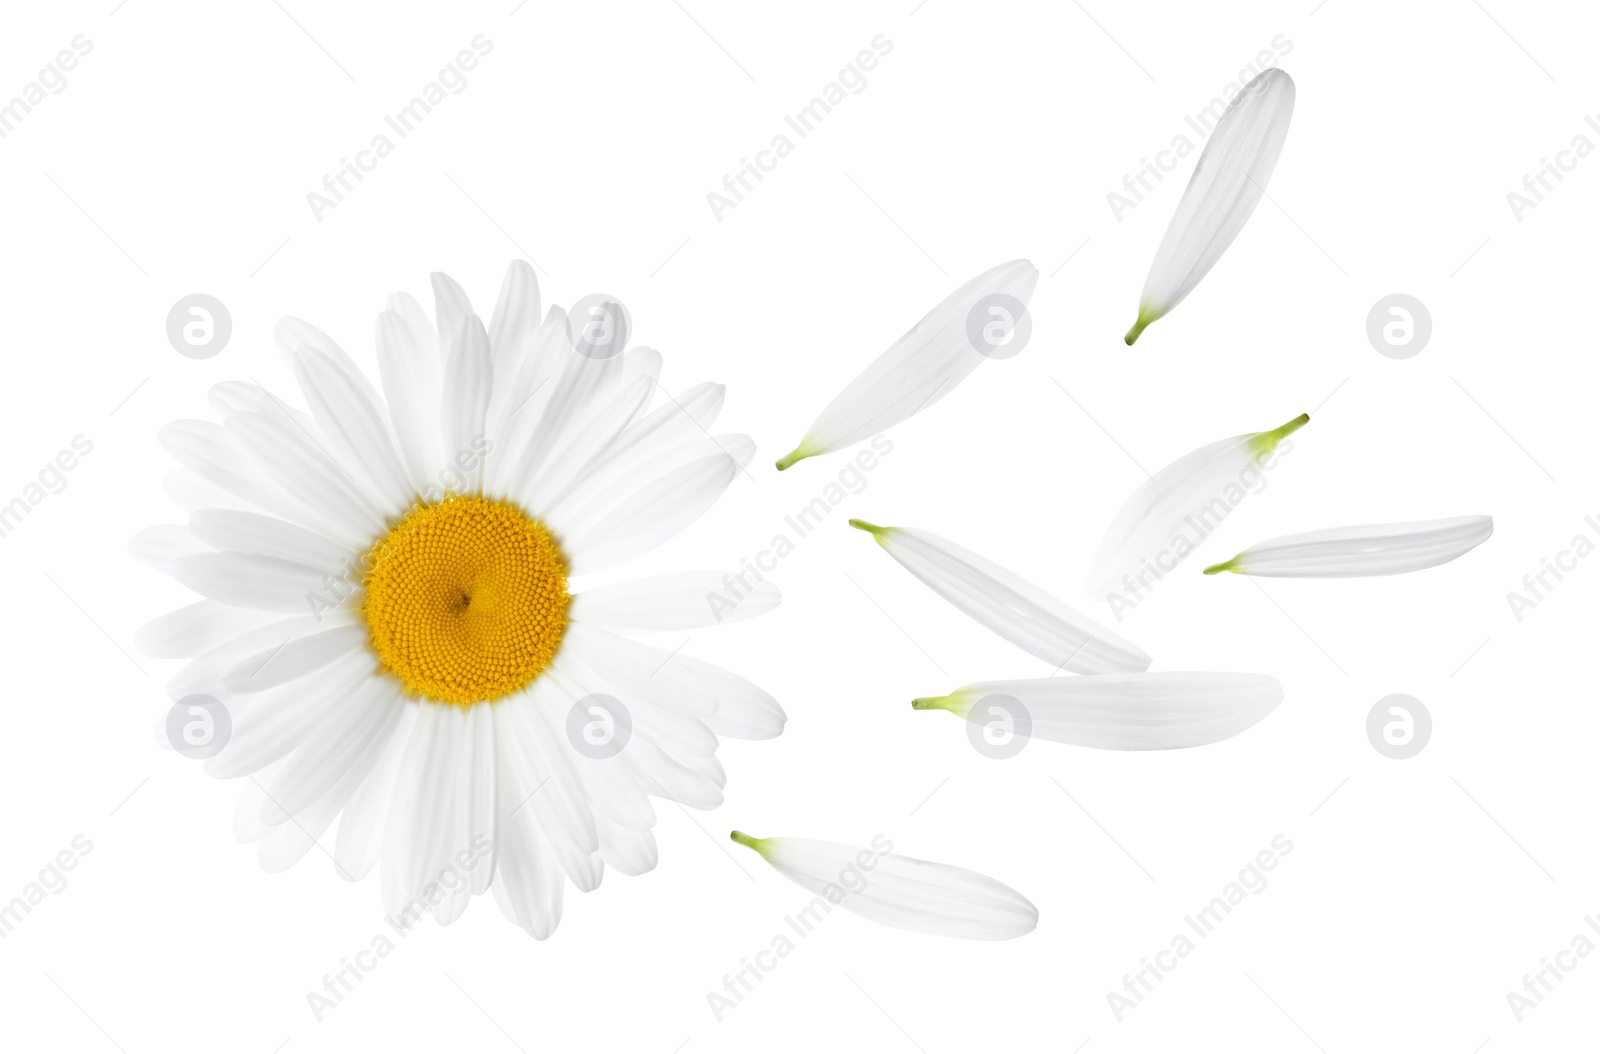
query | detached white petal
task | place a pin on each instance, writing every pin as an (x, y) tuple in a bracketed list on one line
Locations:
[(1119, 711), (1227, 184), (1360, 552), (1174, 510), (923, 366), (900, 891), (1008, 604)]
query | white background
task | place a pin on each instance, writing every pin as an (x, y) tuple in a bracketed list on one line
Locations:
[(1418, 892)]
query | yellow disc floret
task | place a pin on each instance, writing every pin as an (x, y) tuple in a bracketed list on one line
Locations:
[(466, 600)]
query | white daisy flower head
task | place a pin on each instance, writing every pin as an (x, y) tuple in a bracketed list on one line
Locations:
[(391, 615)]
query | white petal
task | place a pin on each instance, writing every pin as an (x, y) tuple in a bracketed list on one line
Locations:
[(527, 392), (642, 362), (204, 673), (247, 825), (214, 455), (726, 703), (554, 798), (354, 423), (296, 658), (664, 776), (189, 492), (292, 334), (667, 755), (1228, 182), (226, 397), (681, 419), (603, 488), (919, 369), (637, 670), (528, 884), (1175, 509), (190, 630), (228, 530), (1361, 552), (579, 385), (651, 515), (433, 816), (476, 808), (301, 467), (287, 843), (744, 710), (900, 891), (583, 446), (685, 739), (264, 583), (608, 787), (468, 383), (1119, 711), (411, 383), (280, 720), (450, 309), (515, 320), (629, 851), (343, 734), (1008, 604), (361, 825), (165, 545), (682, 600), (417, 324)]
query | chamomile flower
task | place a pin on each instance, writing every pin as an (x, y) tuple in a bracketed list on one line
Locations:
[(391, 610)]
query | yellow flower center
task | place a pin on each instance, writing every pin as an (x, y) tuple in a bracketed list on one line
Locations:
[(466, 600)]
